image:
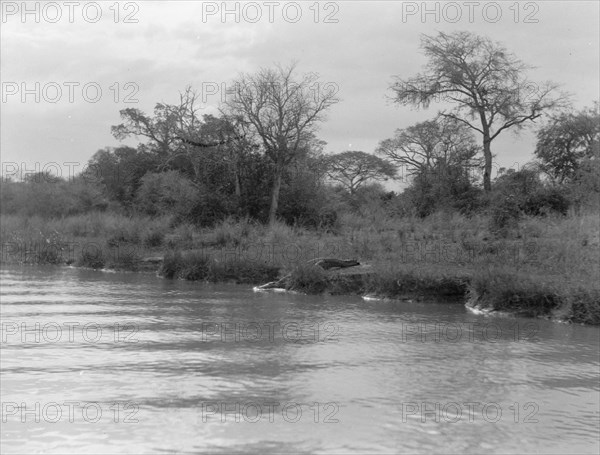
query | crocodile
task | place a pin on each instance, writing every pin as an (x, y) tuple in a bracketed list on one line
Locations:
[(330, 263), (324, 263)]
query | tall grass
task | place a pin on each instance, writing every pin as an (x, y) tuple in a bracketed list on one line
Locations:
[(540, 266), (97, 240), (308, 278), (196, 265)]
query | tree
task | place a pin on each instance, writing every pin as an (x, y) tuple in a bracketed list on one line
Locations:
[(567, 140), (354, 168), (283, 111), (485, 82), (439, 155), (178, 136), (119, 170), (209, 150), (305, 196), (161, 130), (232, 143), (432, 145), (524, 191)]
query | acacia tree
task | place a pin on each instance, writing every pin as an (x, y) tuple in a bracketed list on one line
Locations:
[(432, 145), (567, 140), (486, 83), (353, 168), (283, 111)]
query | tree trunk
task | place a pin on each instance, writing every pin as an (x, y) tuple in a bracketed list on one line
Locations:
[(237, 181), (238, 190), (487, 170), (238, 187), (487, 152), (275, 195)]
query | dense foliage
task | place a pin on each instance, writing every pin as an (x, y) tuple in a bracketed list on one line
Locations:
[(236, 180), (260, 159)]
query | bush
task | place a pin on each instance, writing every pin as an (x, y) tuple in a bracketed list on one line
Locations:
[(584, 188), (532, 296), (584, 306), (92, 258), (545, 201), (122, 259), (50, 197), (328, 221), (470, 201), (231, 232), (153, 239), (209, 208), (404, 283), (167, 193), (125, 230), (304, 200), (119, 171), (440, 189), (509, 291), (308, 278), (192, 266), (504, 214)]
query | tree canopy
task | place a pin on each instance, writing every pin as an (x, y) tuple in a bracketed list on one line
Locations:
[(567, 140), (431, 145), (283, 110), (486, 83), (354, 168)]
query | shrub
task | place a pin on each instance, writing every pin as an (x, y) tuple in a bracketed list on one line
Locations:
[(584, 306), (193, 265), (308, 278), (92, 258), (545, 201), (509, 291), (441, 188), (124, 230), (170, 264), (231, 231), (391, 282), (328, 221), (50, 197), (122, 259), (167, 193), (304, 199), (153, 238), (470, 201), (504, 214)]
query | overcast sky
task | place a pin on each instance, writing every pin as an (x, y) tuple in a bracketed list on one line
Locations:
[(147, 52)]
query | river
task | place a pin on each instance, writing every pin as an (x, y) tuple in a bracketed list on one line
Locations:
[(98, 362)]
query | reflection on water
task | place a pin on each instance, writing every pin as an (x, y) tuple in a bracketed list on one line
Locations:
[(97, 362)]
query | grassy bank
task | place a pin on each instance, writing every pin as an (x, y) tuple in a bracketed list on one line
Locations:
[(540, 267)]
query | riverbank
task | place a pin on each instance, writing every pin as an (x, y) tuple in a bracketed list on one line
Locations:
[(544, 267)]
